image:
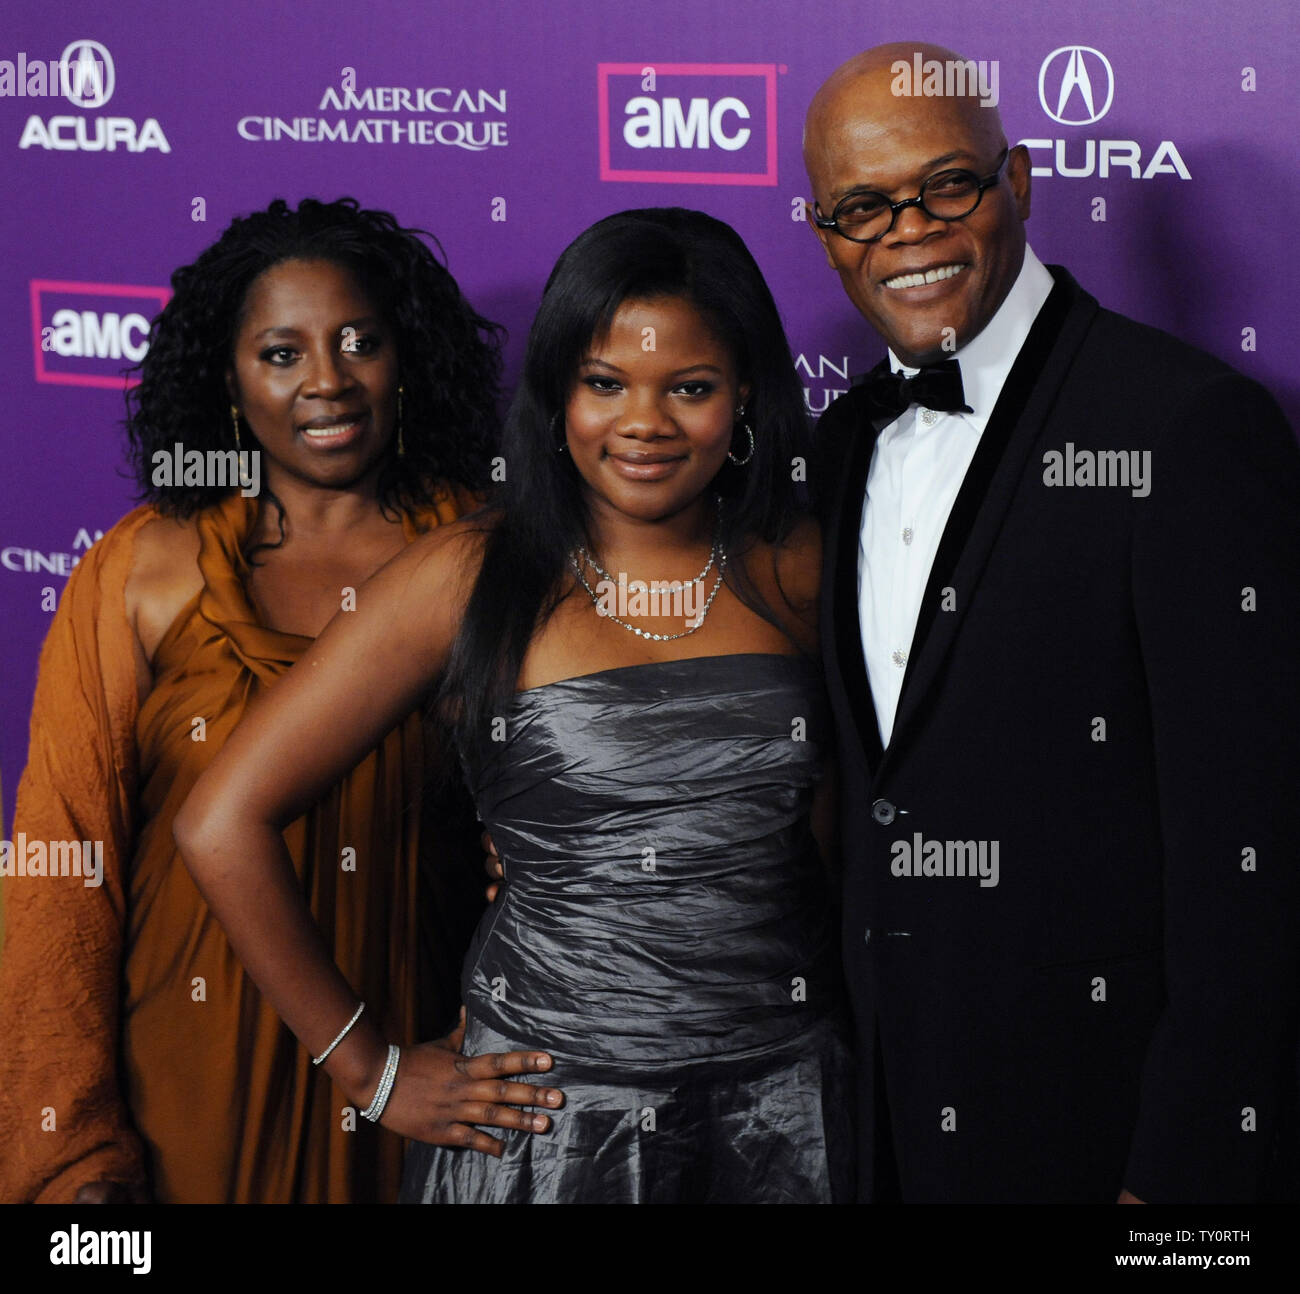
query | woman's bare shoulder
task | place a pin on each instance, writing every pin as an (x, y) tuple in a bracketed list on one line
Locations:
[(427, 586), (165, 544), (164, 576), (450, 555), (801, 552), (788, 574), (797, 563)]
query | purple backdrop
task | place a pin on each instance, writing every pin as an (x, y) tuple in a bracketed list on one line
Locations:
[(507, 128)]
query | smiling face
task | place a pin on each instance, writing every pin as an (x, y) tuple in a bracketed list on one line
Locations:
[(314, 373), (650, 415), (925, 275)]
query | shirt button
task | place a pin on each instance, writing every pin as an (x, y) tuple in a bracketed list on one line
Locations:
[(929, 417), (899, 658), (883, 812), (907, 534)]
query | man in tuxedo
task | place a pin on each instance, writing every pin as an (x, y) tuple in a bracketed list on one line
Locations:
[(1059, 584)]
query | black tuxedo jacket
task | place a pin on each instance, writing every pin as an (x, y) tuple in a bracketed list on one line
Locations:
[(1103, 686)]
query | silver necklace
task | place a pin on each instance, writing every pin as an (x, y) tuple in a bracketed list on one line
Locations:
[(605, 575), (717, 554)]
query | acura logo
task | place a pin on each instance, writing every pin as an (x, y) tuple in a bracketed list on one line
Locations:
[(1075, 85), (88, 76)]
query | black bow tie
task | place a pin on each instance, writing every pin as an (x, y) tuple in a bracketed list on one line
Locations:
[(936, 386)]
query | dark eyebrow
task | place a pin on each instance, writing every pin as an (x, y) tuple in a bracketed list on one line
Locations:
[(697, 368), (591, 362), (928, 169), (357, 325)]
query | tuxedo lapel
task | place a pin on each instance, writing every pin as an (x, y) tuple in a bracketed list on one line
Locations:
[(989, 487)]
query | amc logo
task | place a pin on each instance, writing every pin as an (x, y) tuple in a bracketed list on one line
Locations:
[(85, 334), (687, 123)]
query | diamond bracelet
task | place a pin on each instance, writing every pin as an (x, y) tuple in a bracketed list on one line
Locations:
[(386, 1080), (343, 1033)]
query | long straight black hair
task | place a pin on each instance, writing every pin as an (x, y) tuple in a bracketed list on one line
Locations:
[(539, 515)]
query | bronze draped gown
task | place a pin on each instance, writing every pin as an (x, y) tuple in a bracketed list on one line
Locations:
[(127, 1022)]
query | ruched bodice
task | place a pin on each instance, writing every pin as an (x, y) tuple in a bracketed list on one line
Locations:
[(664, 933), (664, 898)]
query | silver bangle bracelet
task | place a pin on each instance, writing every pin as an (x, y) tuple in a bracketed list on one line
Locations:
[(343, 1033), (386, 1081)]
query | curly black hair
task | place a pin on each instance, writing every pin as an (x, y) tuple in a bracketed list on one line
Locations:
[(449, 356)]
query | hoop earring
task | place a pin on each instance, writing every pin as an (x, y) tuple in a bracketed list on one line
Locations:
[(401, 448), (749, 431), (234, 421), (557, 433)]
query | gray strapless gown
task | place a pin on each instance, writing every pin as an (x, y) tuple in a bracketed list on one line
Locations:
[(664, 932)]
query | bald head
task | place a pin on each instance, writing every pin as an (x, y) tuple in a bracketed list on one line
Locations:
[(890, 126), (883, 88)]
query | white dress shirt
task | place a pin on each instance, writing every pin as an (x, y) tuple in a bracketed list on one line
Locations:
[(917, 467)]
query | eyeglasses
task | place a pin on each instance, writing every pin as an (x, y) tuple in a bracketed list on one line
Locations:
[(866, 216)]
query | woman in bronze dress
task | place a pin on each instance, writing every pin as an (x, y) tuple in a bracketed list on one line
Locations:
[(140, 1061)]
